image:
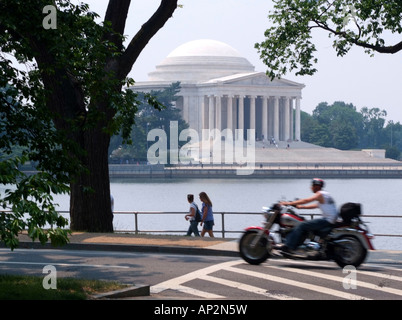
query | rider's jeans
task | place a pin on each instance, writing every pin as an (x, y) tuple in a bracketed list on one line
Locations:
[(296, 237)]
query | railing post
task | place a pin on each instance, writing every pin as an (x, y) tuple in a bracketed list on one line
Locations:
[(136, 222), (223, 224)]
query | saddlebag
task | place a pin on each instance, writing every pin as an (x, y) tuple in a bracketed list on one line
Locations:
[(349, 211)]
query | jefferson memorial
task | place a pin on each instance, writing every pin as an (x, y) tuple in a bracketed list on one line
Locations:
[(220, 89)]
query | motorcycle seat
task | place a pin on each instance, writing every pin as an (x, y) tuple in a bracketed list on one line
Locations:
[(340, 224), (325, 231)]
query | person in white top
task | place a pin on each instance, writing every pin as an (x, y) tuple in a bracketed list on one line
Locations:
[(325, 202), (193, 228)]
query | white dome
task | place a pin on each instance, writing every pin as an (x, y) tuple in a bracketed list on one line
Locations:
[(204, 47), (201, 60)]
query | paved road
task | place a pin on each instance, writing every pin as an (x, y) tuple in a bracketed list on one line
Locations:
[(287, 280), (186, 276), (126, 267)]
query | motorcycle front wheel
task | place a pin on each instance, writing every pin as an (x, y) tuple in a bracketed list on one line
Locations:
[(252, 250), (349, 251)]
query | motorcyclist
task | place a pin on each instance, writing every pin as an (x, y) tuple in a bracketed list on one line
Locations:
[(325, 202)]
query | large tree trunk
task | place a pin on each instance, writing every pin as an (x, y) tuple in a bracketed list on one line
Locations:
[(90, 205), (67, 99)]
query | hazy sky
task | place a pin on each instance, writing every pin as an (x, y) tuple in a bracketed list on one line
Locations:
[(356, 78)]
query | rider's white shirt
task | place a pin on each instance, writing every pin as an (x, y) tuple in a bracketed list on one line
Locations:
[(328, 208)]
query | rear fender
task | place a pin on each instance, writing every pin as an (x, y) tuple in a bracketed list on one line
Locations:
[(257, 229), (359, 234)]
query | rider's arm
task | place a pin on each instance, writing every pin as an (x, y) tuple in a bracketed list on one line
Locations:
[(315, 197), (309, 206)]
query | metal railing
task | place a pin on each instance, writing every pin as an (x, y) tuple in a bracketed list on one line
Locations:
[(223, 231)]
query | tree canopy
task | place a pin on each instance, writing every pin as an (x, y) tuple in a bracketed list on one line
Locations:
[(289, 42), (62, 106), (341, 126), (147, 118)]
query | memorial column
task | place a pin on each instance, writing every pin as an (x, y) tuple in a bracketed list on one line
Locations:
[(252, 112), (241, 114), (276, 118), (218, 109), (297, 124), (204, 119), (291, 129), (211, 117), (286, 119), (230, 112), (265, 117)]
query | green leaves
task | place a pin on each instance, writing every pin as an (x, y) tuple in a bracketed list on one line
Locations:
[(155, 110), (39, 118), (30, 206), (288, 45), (340, 126)]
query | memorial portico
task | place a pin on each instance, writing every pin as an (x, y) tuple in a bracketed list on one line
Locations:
[(220, 90), (270, 116)]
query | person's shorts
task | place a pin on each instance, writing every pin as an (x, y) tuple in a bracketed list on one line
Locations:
[(208, 225)]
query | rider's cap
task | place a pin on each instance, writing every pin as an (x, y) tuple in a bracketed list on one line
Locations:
[(317, 182)]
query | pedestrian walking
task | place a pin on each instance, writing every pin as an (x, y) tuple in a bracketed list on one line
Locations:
[(207, 221), (191, 217)]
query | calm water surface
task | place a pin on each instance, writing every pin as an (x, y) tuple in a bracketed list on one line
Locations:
[(378, 197)]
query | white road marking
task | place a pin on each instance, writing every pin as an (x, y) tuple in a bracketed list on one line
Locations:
[(176, 283), (340, 279), (380, 275), (198, 293), (248, 288), (204, 274), (336, 293)]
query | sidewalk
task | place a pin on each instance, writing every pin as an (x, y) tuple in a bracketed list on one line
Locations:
[(145, 243), (170, 244)]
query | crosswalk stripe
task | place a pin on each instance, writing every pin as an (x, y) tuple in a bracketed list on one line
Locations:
[(336, 293), (176, 283), (248, 288), (187, 290), (204, 274), (198, 293), (380, 275), (340, 279)]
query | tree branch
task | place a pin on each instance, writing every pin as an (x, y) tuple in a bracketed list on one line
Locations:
[(116, 14), (147, 31), (381, 49)]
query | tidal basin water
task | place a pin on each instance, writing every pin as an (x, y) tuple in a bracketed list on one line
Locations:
[(377, 196)]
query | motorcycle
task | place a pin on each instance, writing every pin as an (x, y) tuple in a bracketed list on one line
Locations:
[(347, 242)]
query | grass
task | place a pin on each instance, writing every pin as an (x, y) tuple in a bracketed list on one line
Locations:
[(31, 288)]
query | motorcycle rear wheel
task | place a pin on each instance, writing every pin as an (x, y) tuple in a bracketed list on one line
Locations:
[(253, 254), (349, 251)]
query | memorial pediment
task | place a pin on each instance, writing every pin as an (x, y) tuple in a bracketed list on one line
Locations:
[(255, 79)]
